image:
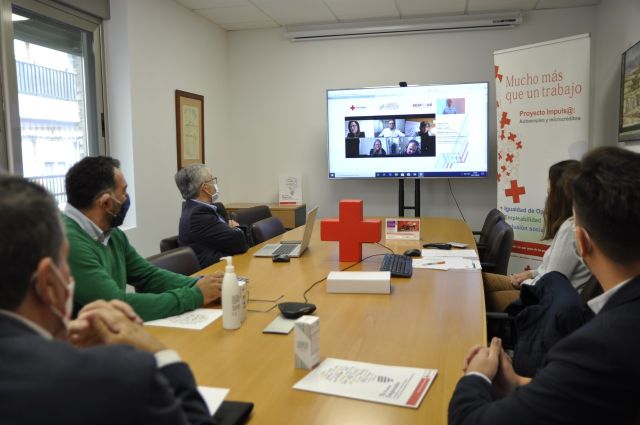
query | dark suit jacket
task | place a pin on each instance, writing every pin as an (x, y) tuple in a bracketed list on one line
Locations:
[(590, 377), (210, 238), (51, 382)]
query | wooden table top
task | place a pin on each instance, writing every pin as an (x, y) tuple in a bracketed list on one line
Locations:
[(430, 321)]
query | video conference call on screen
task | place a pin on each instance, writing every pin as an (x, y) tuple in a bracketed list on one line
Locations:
[(433, 131), (390, 135)]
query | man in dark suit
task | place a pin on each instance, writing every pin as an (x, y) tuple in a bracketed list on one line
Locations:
[(591, 376), (202, 227), (61, 371)]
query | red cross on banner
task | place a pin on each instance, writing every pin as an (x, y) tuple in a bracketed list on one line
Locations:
[(515, 191), (350, 230), (504, 120)]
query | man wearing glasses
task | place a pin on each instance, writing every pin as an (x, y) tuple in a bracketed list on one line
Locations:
[(202, 226), (101, 257)]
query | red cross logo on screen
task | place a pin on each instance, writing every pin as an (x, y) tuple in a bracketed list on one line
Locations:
[(352, 107), (515, 191), (350, 230)]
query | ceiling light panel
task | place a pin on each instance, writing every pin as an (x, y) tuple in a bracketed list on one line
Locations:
[(363, 9), (292, 12), (410, 8)]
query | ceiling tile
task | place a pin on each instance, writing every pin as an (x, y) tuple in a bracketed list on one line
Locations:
[(500, 5), (222, 15), (414, 8), (354, 10), (205, 4), (552, 4), (296, 12)]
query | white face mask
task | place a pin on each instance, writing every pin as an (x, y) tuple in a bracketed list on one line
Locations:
[(65, 316), (216, 195)]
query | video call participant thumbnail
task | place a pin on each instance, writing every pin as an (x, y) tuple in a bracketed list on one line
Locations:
[(391, 130)]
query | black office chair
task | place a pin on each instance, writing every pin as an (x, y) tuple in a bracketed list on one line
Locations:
[(266, 229), (180, 260), (169, 243), (490, 221), (498, 250), (248, 216)]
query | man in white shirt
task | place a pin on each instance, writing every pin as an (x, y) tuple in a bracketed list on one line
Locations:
[(391, 130), (592, 375)]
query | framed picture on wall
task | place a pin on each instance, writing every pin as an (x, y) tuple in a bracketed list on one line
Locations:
[(629, 121), (189, 128)]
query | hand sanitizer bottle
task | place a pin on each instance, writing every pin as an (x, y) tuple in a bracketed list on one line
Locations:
[(231, 297)]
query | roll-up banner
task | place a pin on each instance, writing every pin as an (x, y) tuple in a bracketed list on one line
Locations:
[(542, 102)]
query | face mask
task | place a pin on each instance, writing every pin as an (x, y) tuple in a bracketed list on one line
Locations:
[(216, 195), (64, 316), (118, 218)]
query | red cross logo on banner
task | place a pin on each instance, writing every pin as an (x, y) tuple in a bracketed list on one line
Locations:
[(515, 191), (498, 75), (350, 230), (512, 137), (504, 120)]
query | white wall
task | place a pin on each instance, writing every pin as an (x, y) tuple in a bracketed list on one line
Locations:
[(278, 107), (617, 29), (153, 48)]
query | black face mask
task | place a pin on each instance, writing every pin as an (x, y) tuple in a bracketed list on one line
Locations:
[(118, 219)]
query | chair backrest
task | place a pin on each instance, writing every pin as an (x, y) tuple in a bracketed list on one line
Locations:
[(266, 229), (180, 260), (169, 243), (499, 244), (490, 221), (248, 216)]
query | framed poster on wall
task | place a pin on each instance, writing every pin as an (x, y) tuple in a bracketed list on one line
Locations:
[(189, 128), (629, 118)]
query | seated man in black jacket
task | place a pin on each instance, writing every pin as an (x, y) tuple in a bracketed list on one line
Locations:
[(84, 371), (202, 227), (592, 375)]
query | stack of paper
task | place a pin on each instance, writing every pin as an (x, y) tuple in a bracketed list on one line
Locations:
[(438, 259)]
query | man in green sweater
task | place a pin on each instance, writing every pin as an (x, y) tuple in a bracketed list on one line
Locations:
[(101, 258)]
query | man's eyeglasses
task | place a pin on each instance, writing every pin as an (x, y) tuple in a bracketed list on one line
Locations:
[(213, 180)]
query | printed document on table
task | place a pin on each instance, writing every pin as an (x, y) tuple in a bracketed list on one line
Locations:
[(397, 385), (446, 263), (458, 253), (213, 397), (197, 319)]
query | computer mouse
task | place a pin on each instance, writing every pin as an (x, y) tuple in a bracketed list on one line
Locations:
[(292, 310), (413, 252), (282, 258)]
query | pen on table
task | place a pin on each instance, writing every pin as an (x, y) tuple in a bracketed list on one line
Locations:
[(434, 263)]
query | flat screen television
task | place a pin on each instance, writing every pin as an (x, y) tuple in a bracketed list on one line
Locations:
[(426, 131)]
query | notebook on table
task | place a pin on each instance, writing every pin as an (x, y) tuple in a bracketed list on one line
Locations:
[(291, 248)]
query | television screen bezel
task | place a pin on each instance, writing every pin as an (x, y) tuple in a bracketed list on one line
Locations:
[(629, 133), (442, 175)]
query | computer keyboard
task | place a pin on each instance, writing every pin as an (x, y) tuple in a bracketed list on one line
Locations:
[(285, 249), (398, 265)]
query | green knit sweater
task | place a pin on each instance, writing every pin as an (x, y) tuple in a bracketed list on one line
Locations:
[(102, 272)]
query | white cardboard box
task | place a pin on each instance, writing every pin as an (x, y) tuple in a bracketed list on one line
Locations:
[(359, 282), (306, 333)]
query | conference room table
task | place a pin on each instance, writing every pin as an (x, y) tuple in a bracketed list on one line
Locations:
[(429, 320)]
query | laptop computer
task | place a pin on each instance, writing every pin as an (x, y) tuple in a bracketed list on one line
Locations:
[(291, 248)]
